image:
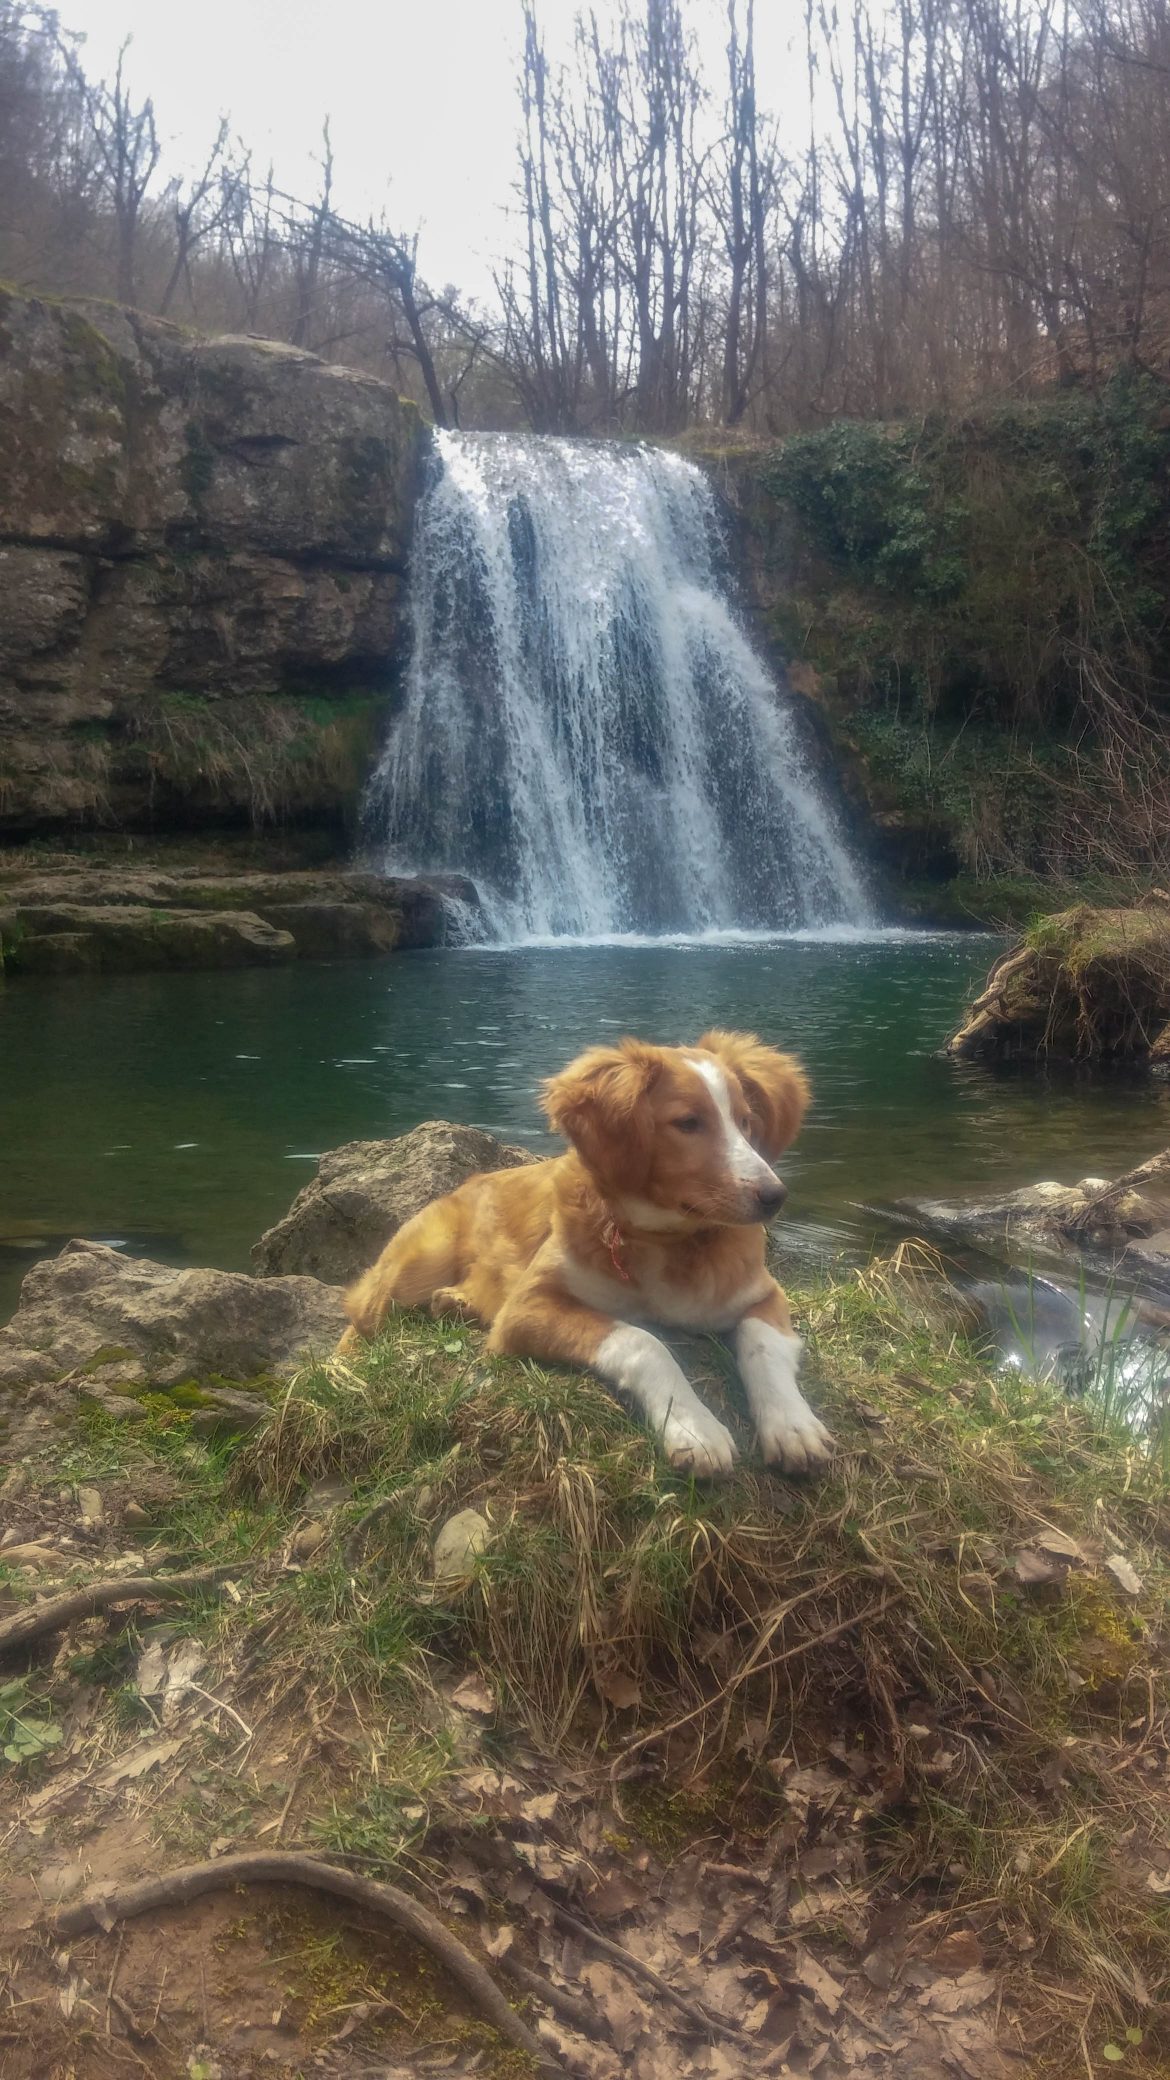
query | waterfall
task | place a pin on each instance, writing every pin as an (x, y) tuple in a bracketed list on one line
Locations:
[(586, 729)]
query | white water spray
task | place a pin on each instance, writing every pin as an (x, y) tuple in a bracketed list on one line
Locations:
[(586, 730)]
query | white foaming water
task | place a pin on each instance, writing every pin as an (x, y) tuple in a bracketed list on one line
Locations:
[(586, 730)]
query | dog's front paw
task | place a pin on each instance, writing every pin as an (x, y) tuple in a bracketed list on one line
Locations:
[(795, 1440), (696, 1442)]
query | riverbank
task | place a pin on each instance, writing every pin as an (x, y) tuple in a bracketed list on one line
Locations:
[(851, 1820)]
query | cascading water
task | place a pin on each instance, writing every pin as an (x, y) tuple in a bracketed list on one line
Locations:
[(586, 730)]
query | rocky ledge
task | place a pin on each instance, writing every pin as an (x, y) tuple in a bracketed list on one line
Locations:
[(1085, 985), (202, 547), (1126, 1222), (93, 919)]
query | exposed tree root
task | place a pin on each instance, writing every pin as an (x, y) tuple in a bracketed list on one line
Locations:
[(286, 1867), (58, 1611)]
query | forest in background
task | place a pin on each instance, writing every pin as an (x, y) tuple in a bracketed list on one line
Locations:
[(935, 331), (980, 204)]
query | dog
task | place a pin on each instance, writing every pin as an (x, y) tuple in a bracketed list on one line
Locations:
[(655, 1214)]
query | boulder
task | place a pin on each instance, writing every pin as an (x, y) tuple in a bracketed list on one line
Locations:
[(1088, 984), (364, 1191), (120, 1319)]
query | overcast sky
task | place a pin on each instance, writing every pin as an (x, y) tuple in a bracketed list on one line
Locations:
[(420, 93)]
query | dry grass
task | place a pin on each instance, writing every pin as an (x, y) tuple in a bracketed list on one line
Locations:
[(940, 1612)]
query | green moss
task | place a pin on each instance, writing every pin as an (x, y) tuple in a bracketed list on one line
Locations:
[(197, 467)]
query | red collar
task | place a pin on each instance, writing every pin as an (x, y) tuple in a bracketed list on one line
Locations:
[(614, 1241)]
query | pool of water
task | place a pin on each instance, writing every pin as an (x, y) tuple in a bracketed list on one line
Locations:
[(178, 1114)]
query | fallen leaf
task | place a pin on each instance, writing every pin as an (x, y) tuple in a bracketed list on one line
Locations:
[(812, 1787), (1124, 1575), (820, 1983), (1160, 1885), (619, 1690), (1031, 1570), (473, 1695), (614, 1895), (135, 1762), (1061, 1547), (969, 2045), (542, 1808), (950, 1996), (500, 1941), (624, 2014), (67, 1998), (880, 1967), (961, 1951)]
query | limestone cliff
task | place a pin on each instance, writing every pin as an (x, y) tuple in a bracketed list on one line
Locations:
[(202, 544)]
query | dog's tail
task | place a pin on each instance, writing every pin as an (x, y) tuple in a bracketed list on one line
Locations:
[(425, 1257)]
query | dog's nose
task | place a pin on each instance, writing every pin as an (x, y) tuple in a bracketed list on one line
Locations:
[(771, 1197)]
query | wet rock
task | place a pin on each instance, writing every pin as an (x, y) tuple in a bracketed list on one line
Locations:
[(174, 1325), (364, 1191)]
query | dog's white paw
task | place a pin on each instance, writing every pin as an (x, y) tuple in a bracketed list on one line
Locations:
[(696, 1442), (795, 1440)]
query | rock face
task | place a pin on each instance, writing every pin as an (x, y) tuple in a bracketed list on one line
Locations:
[(124, 1319), (202, 544), (1127, 1221), (98, 919), (1086, 985), (363, 1192)]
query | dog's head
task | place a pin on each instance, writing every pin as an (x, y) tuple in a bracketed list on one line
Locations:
[(690, 1132)]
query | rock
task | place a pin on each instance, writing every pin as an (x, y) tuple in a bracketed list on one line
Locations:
[(179, 1325), (1087, 984), (32, 1553), (202, 544), (59, 920), (89, 1502), (457, 1546), (135, 1516), (364, 1191), (58, 941), (1126, 1221)]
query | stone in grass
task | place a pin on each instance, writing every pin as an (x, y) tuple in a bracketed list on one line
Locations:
[(457, 1547)]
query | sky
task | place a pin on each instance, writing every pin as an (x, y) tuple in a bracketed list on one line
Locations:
[(421, 96)]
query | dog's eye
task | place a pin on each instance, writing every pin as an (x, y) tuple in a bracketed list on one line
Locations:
[(690, 1125)]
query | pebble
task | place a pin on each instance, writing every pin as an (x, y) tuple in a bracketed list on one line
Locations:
[(134, 1515)]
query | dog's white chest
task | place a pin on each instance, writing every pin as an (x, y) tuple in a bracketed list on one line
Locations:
[(648, 1300)]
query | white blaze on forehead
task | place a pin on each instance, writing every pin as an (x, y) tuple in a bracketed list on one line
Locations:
[(742, 1161)]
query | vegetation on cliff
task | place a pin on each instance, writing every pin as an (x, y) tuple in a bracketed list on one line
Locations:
[(982, 605), (918, 1711)]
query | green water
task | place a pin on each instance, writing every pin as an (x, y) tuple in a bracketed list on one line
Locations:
[(179, 1114)]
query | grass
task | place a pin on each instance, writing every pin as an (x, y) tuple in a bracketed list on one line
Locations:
[(620, 1612)]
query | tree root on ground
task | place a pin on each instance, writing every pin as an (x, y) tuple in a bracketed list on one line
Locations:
[(285, 1867), (58, 1611)]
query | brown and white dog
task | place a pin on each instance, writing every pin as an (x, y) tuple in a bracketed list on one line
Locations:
[(655, 1215)]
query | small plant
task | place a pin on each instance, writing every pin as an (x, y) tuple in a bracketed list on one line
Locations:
[(24, 1734)]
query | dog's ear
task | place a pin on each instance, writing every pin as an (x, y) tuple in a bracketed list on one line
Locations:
[(598, 1103), (774, 1085)]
